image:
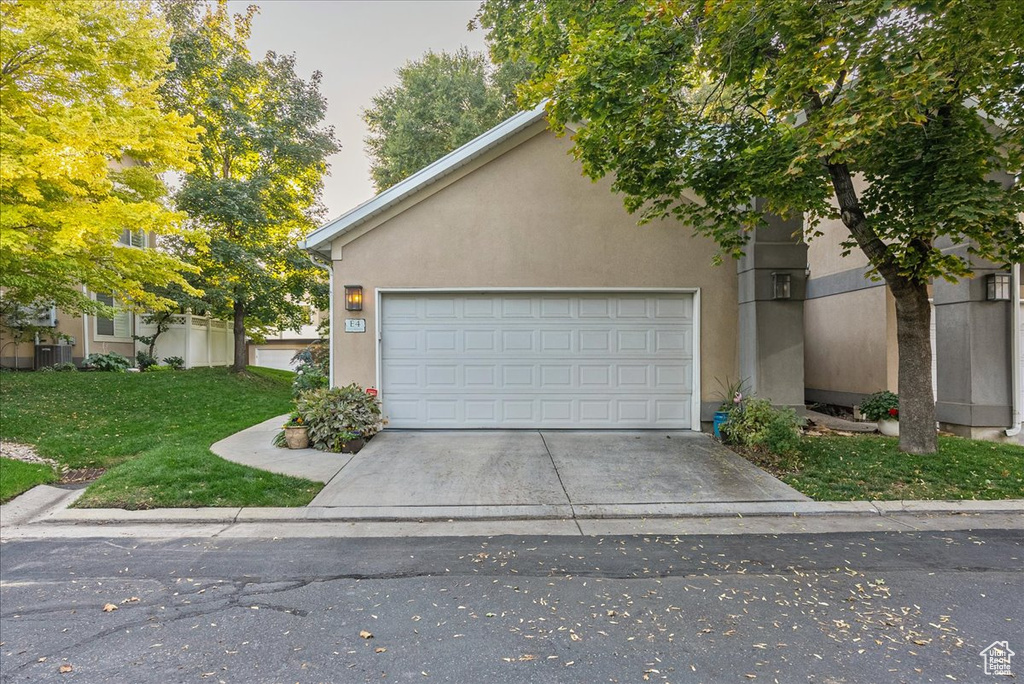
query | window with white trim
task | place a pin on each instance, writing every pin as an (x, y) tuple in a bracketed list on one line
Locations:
[(118, 327), (133, 238)]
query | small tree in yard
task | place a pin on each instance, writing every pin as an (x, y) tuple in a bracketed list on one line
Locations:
[(790, 101), (255, 189)]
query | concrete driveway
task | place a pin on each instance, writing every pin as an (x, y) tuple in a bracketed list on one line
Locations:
[(558, 472)]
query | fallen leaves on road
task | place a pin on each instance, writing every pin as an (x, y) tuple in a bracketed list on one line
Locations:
[(64, 669), (109, 608), (365, 635)]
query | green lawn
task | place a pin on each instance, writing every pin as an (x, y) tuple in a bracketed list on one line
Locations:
[(17, 477), (153, 432), (870, 467)]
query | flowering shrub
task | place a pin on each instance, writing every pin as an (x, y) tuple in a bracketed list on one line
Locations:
[(295, 419), (732, 394), (337, 415), (881, 406), (311, 372)]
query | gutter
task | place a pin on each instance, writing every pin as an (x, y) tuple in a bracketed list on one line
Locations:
[(1015, 350), (330, 316)]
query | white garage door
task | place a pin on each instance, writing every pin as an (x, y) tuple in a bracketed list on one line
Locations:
[(530, 360), (275, 358)]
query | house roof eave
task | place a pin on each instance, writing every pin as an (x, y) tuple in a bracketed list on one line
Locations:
[(319, 240)]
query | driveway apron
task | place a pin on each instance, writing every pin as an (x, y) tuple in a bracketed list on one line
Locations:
[(447, 468), (551, 467)]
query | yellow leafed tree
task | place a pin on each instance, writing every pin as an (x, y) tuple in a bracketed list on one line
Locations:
[(84, 142)]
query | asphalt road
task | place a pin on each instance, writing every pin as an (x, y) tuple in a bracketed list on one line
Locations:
[(835, 608)]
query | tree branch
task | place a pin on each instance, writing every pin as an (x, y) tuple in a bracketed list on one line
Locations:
[(852, 213)]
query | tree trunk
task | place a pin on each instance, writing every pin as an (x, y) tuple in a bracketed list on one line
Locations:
[(917, 401), (913, 321), (241, 357), (162, 323)]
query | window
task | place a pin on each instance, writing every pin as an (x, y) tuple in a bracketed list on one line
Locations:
[(120, 326), (133, 238)]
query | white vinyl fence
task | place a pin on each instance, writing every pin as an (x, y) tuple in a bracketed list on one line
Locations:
[(199, 340)]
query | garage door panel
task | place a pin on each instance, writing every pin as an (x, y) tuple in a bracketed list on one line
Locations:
[(478, 308), (632, 341), (517, 341), (556, 307), (517, 307), (557, 375), (537, 360), (676, 307), (557, 341)]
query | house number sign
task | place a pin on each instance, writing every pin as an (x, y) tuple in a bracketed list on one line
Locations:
[(355, 325)]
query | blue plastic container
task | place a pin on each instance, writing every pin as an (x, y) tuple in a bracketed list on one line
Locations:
[(720, 418)]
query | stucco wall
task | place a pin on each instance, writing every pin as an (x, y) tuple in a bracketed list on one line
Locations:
[(524, 216), (824, 253), (848, 342), (67, 324)]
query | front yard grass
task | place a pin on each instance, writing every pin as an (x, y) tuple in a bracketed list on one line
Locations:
[(865, 467), (17, 477), (153, 432)]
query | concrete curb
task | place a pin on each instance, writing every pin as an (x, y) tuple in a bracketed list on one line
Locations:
[(36, 502), (999, 506), (48, 508)]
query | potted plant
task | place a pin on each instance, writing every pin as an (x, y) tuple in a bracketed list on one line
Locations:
[(883, 407), (296, 432), (732, 396), (350, 442), (340, 419)]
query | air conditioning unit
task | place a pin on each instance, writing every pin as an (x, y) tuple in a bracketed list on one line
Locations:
[(40, 316), (52, 354)]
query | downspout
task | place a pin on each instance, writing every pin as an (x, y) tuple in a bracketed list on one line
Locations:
[(1015, 351), (330, 316), (85, 328)]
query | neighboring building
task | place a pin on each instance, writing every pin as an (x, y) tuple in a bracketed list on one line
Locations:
[(850, 338), (277, 351), (500, 288), (198, 340)]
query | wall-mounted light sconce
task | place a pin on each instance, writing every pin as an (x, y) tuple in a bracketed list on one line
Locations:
[(781, 285), (353, 298), (997, 287)]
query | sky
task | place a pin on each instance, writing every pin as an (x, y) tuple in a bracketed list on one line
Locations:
[(357, 45)]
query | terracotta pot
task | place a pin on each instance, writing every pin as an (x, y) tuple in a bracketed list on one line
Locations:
[(889, 428), (296, 437)]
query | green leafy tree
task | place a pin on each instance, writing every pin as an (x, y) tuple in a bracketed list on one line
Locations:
[(441, 101), (697, 107), (83, 144), (255, 189)]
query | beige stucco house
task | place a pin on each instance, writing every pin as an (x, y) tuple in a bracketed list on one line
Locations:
[(500, 288)]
